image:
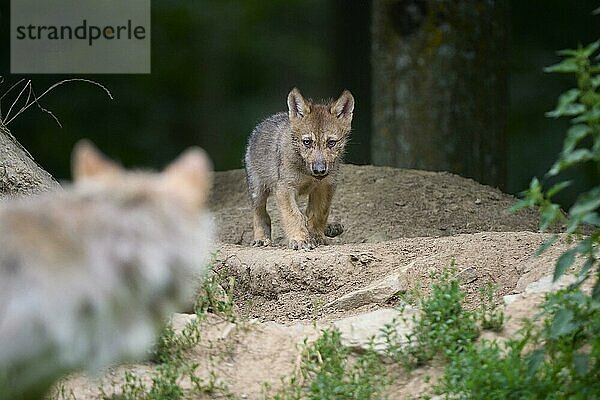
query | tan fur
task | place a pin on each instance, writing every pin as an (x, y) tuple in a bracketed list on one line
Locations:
[(88, 274), (298, 154)]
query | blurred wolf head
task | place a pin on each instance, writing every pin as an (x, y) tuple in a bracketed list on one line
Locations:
[(88, 274)]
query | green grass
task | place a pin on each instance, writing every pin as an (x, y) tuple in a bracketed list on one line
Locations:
[(557, 357), (327, 372), (443, 327), (489, 315), (213, 298)]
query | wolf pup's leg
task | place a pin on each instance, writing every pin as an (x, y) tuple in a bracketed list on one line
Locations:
[(294, 221), (317, 211), (262, 221)]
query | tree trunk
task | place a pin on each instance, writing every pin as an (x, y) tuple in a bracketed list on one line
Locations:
[(19, 173), (440, 88)]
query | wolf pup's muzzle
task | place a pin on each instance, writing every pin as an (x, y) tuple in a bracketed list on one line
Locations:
[(319, 169)]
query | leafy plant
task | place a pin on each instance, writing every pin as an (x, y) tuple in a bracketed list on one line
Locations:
[(214, 299), (581, 145), (172, 346), (489, 315), (443, 327), (327, 372), (559, 358), (489, 371)]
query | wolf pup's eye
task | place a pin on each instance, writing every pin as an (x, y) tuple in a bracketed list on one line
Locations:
[(307, 142), (331, 143)]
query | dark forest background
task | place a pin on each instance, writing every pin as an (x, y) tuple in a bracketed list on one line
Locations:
[(219, 67)]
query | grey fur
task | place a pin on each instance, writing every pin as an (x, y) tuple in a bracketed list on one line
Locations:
[(277, 162)]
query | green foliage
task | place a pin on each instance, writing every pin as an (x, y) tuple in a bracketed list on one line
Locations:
[(172, 346), (558, 360), (164, 386), (489, 315), (214, 299), (327, 372), (571, 338), (165, 383), (581, 145), (443, 328), (488, 371), (170, 355)]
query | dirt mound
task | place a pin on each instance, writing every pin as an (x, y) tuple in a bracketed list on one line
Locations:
[(379, 203), (415, 221), (401, 225), (286, 285)]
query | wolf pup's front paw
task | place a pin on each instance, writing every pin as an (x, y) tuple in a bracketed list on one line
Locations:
[(299, 244), (318, 239), (261, 242)]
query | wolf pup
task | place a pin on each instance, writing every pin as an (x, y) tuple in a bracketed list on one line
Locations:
[(88, 274), (298, 153)]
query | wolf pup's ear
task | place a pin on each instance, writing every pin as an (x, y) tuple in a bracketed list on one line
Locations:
[(189, 177), (343, 108), (88, 162), (297, 106)]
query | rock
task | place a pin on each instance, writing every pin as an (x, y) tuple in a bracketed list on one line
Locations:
[(468, 275), (541, 286), (363, 258), (358, 331), (377, 292), (220, 328), (511, 298), (179, 321), (229, 327), (546, 284)]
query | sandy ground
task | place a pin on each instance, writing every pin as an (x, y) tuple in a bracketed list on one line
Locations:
[(404, 222), (379, 203)]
